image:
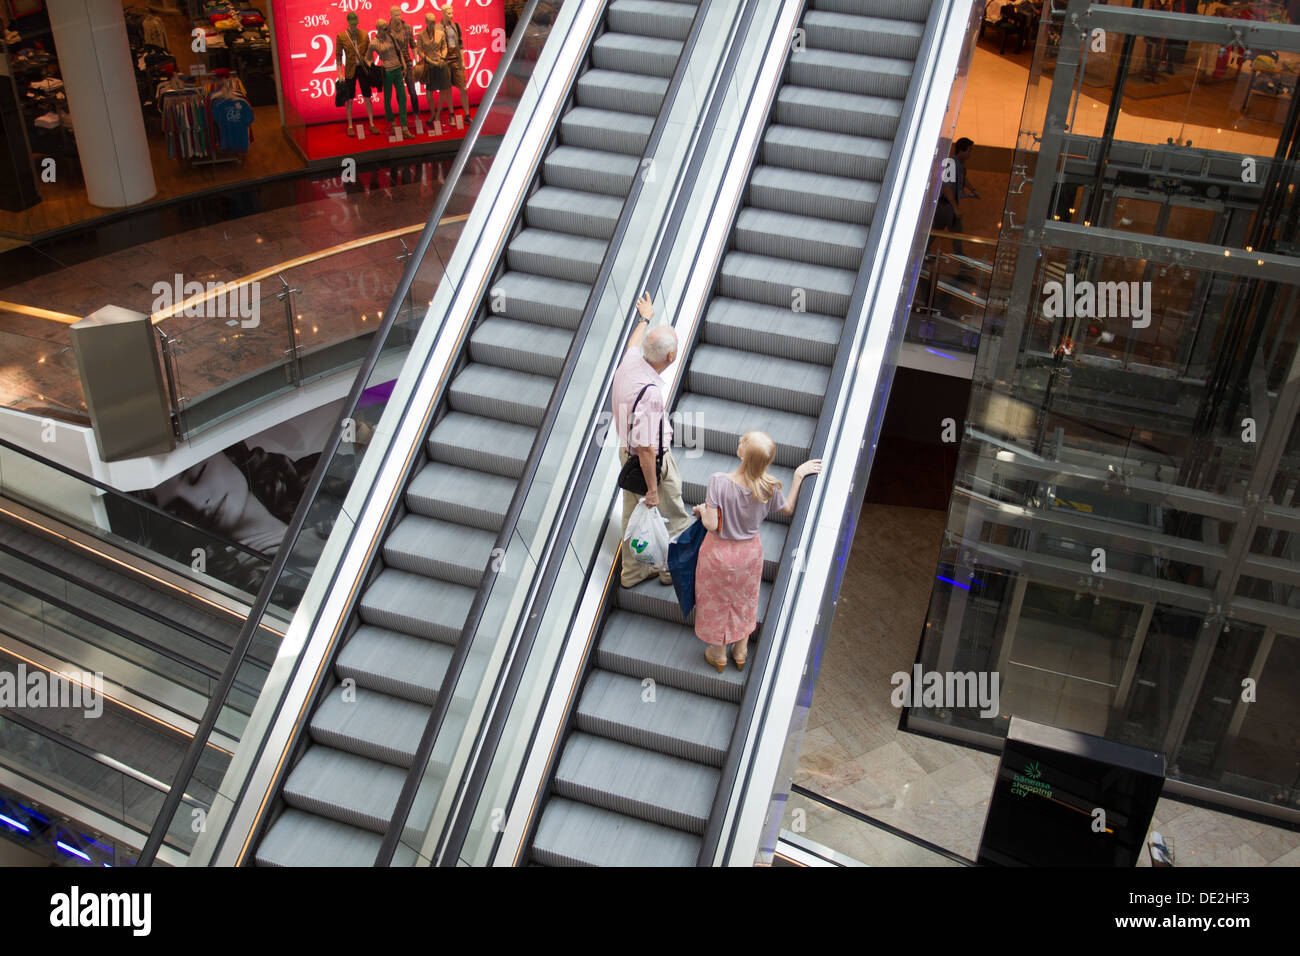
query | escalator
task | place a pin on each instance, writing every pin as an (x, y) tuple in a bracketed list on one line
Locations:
[(637, 780), (361, 737)]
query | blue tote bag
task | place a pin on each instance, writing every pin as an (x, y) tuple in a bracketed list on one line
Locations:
[(682, 555)]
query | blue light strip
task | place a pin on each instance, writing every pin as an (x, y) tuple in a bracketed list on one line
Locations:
[(941, 354), (72, 850), (956, 584), (14, 823)]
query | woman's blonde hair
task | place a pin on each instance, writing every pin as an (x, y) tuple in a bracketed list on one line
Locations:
[(758, 452)]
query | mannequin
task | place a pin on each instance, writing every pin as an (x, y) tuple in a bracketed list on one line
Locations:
[(404, 37), (351, 50), (450, 43), (390, 61), (435, 70)]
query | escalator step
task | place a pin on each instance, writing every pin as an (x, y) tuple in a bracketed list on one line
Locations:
[(574, 212), (394, 664), (639, 783), (501, 394), (653, 599), (651, 18), (400, 601), (780, 282), (532, 298), (722, 422), (304, 839), (522, 346), (590, 170), (439, 549), (576, 834), (813, 194), (676, 722), (784, 235), (344, 787), (669, 654), (626, 92), (851, 73), (472, 498), (696, 469), (776, 383), (836, 154), (606, 130), (556, 255), (374, 725), (834, 112), (871, 36), (647, 55), (772, 330), (481, 444), (915, 10)]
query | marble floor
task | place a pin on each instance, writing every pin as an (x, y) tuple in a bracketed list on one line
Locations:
[(854, 753), (339, 296)]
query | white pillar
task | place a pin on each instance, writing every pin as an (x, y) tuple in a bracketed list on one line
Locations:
[(99, 80)]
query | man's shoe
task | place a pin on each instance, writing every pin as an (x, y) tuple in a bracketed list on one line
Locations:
[(665, 578)]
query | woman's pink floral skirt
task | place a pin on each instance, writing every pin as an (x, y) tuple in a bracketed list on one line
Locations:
[(727, 575)]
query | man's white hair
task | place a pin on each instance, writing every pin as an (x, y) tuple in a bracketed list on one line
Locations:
[(659, 344)]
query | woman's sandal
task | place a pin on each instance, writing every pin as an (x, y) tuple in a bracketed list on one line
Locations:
[(719, 667), (740, 661)]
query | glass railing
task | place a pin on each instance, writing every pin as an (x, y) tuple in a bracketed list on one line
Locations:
[(840, 835), (40, 375), (952, 293), (724, 95), (429, 279), (92, 781)]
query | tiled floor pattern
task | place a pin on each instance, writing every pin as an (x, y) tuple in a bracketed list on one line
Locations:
[(853, 752)]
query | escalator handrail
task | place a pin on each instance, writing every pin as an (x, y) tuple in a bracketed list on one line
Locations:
[(800, 522), (115, 493), (563, 530), (437, 718), (117, 599), (892, 830), (335, 438)]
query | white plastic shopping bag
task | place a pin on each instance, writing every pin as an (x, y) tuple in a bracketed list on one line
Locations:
[(647, 536)]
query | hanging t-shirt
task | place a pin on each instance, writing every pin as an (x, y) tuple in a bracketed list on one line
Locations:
[(233, 117)]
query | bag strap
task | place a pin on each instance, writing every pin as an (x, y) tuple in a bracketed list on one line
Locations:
[(659, 449)]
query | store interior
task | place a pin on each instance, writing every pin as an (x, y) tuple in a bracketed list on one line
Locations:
[(228, 94)]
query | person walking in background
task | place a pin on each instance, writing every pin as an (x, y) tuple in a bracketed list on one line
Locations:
[(637, 398), (730, 564)]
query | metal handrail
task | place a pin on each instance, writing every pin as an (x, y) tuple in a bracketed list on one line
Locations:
[(299, 520), (801, 519), (523, 640), (880, 825)]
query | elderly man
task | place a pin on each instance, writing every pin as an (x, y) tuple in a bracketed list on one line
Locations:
[(648, 354)]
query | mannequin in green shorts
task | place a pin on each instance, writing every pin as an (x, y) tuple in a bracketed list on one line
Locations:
[(393, 64)]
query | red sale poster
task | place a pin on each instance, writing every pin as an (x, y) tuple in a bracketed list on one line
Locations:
[(306, 32)]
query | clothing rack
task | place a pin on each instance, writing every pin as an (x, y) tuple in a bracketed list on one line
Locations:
[(185, 105)]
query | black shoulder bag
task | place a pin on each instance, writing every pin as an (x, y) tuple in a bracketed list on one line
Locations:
[(632, 478)]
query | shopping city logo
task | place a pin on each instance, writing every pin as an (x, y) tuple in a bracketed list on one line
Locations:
[(946, 690), (36, 688), (211, 300), (1085, 299)]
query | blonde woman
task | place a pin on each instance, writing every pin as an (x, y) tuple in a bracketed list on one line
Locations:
[(730, 564)]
